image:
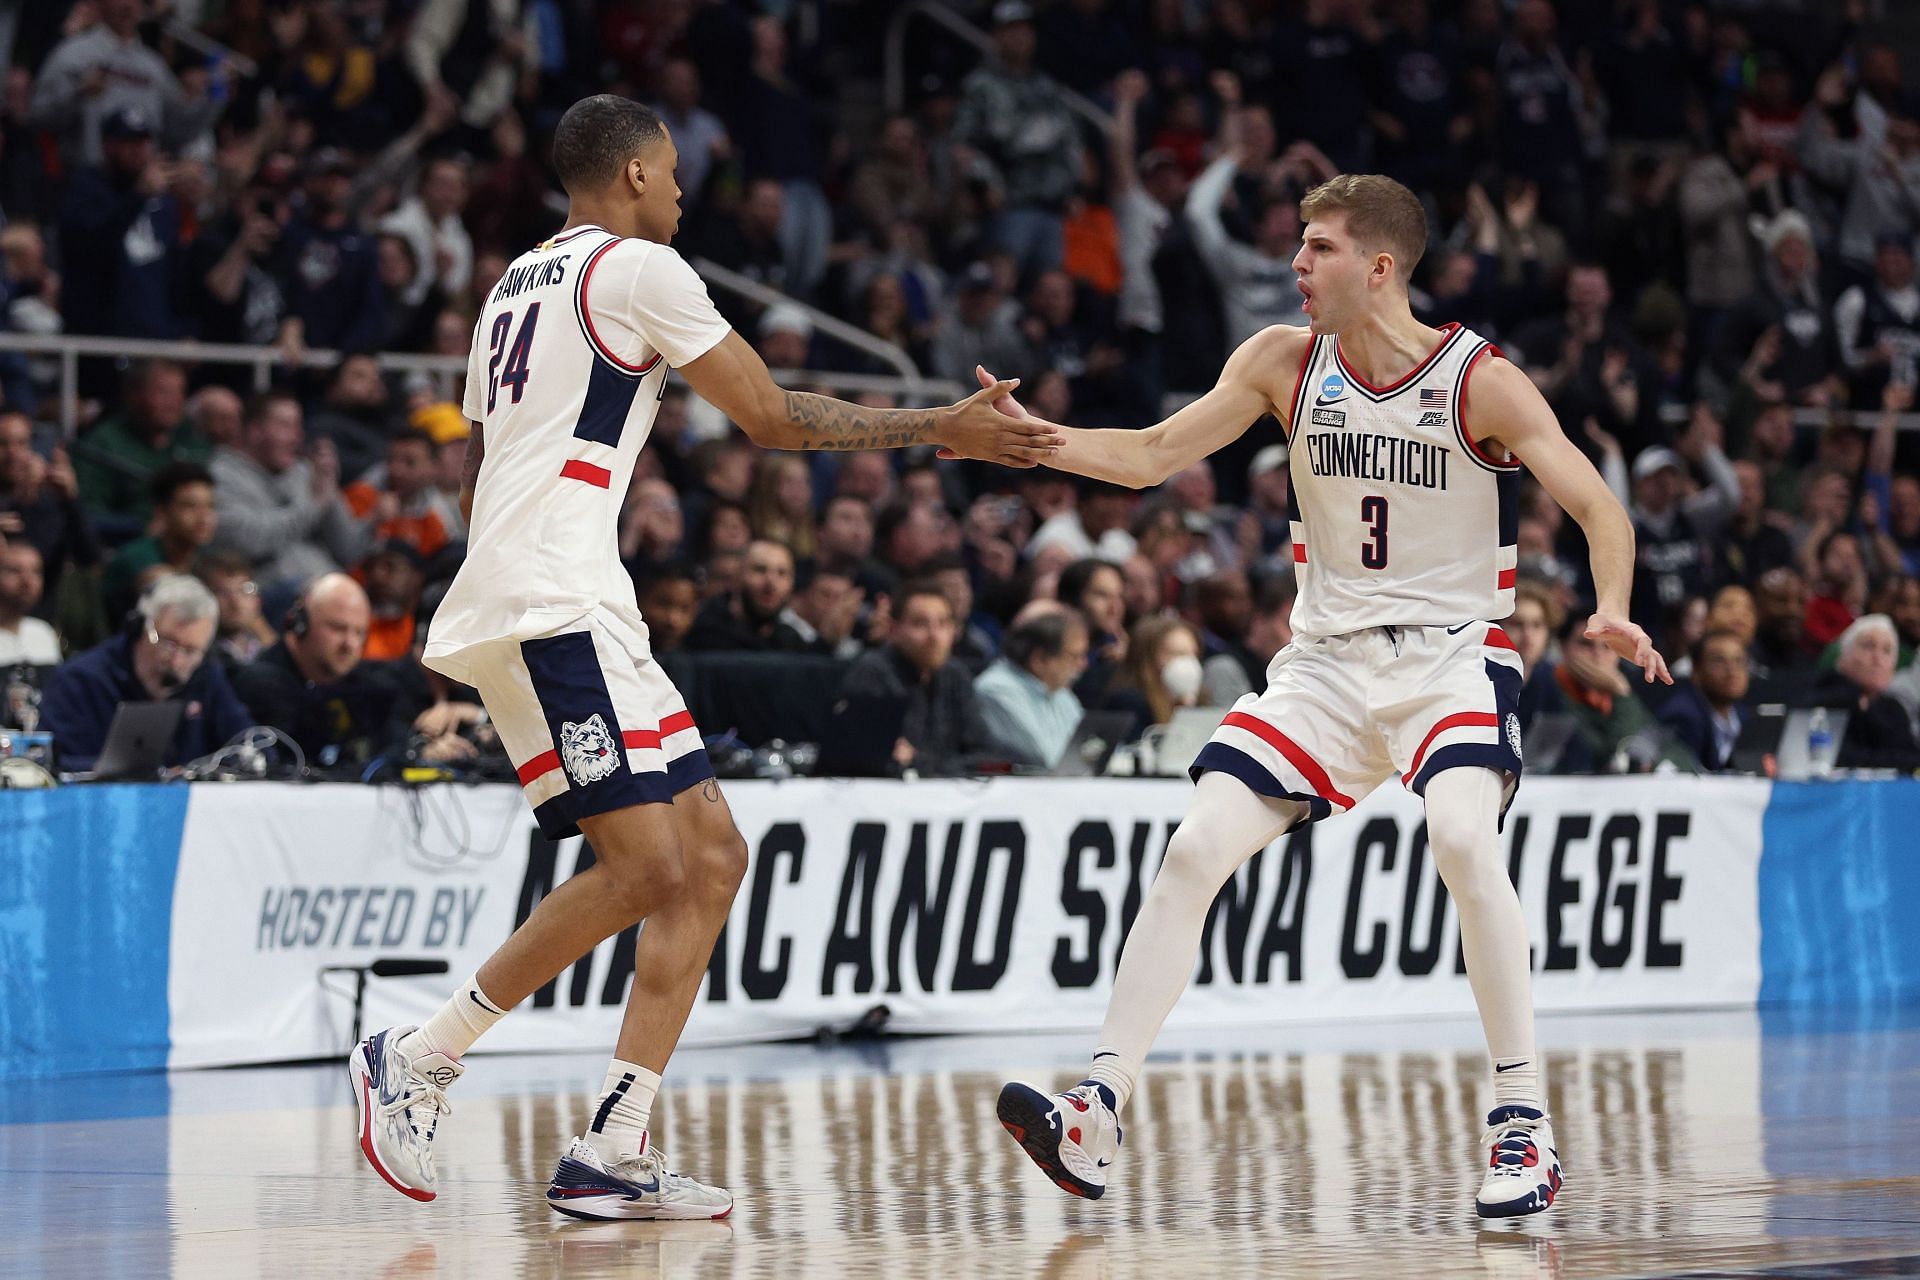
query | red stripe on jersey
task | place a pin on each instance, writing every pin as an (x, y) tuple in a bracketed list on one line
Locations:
[(1498, 639), (1446, 336), (633, 739), (586, 318), (1299, 553), (565, 236), (1299, 386), (598, 477), (1309, 768), (1458, 720), (1461, 408), (1504, 580)]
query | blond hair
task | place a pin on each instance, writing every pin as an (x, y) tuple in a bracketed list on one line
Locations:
[(1382, 216)]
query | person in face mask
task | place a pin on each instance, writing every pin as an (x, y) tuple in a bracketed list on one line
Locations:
[(161, 655), (1163, 672)]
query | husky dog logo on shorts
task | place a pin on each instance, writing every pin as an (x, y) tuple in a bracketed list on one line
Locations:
[(1513, 734), (588, 750)]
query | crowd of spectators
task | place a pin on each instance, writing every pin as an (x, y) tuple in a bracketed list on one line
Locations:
[(1692, 223)]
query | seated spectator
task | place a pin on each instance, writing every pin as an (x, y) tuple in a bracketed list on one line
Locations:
[(942, 733), (244, 632), (24, 639), (400, 501), (215, 412), (1707, 711), (823, 615), (280, 510), (120, 456), (1094, 526), (1838, 572), (39, 504), (353, 415), (1162, 673), (1879, 731), (1026, 697), (653, 531), (747, 618), (1095, 588), (976, 636), (846, 544), (1878, 324), (1675, 531), (780, 503), (160, 656), (669, 598), (910, 534), (1224, 680), (393, 574), (1536, 619), (1732, 609), (318, 688), (1223, 604), (184, 522), (1753, 542), (1614, 732)]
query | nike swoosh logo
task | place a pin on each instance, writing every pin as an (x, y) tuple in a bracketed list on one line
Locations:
[(1515, 1067), (1452, 631), (477, 1000), (1321, 402)]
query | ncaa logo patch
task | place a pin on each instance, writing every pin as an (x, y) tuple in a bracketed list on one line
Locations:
[(1513, 734), (587, 750), (1332, 389)]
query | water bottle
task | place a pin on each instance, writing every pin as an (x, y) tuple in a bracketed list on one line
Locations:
[(1819, 744)]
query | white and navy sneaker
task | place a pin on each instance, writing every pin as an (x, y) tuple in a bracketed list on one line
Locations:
[(1523, 1171), (588, 1186), (400, 1100), (1073, 1136)]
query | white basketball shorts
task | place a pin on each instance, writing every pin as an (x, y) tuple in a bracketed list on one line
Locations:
[(589, 720), (1342, 714)]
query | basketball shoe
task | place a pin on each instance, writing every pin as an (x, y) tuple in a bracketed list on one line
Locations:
[(1523, 1172), (401, 1101), (1073, 1136), (638, 1186)]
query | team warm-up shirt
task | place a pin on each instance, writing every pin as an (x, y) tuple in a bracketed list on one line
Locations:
[(569, 361), (1400, 518)]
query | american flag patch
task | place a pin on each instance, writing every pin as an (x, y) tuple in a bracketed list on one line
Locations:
[(1432, 398)]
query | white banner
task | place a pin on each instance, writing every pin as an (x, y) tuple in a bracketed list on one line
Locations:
[(960, 906)]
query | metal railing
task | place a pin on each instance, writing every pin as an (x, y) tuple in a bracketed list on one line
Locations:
[(940, 16), (853, 336)]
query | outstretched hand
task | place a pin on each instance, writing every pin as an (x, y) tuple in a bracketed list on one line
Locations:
[(1628, 641), (1023, 445)]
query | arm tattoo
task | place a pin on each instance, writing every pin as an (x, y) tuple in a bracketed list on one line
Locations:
[(825, 423), (476, 450)]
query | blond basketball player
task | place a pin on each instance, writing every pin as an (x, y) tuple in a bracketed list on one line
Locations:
[(1407, 445), (569, 360)]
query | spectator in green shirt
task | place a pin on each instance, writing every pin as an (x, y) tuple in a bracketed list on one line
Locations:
[(184, 521), (118, 459)]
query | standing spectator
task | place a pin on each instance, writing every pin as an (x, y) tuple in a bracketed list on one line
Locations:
[(748, 617), (120, 237), (106, 69), (981, 329), (1675, 531), (352, 415), (1714, 202), (244, 633), (1421, 112), (336, 299), (1878, 324), (749, 242), (1707, 711), (400, 503), (1542, 126), (184, 523), (1018, 120), (24, 639), (1324, 57), (1026, 697), (893, 184), (1880, 175), (698, 135), (1587, 364), (1146, 195), (472, 52), (280, 510), (1753, 543), (430, 223), (1838, 573), (1879, 732), (1784, 332), (237, 272), (1258, 286), (161, 657), (942, 733), (1086, 43), (779, 140), (40, 505), (121, 455)]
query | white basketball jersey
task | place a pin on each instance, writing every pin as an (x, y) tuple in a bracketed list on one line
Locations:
[(569, 362), (1399, 517)]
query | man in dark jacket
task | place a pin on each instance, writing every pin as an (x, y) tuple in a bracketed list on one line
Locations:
[(942, 732), (749, 617), (1707, 712), (160, 656)]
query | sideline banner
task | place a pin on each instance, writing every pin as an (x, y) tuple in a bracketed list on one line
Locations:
[(961, 906)]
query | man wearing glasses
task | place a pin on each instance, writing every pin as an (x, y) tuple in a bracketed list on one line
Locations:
[(161, 654)]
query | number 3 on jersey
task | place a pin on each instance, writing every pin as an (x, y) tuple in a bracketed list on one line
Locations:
[(514, 375), (1373, 512)]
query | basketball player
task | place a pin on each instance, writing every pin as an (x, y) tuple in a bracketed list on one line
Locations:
[(1407, 444), (569, 362)]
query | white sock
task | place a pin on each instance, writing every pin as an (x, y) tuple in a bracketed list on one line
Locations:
[(1227, 822), (1463, 816), (461, 1021), (623, 1110)]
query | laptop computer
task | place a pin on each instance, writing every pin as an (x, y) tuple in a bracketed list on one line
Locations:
[(1183, 737), (1772, 729), (1092, 744), (137, 741)]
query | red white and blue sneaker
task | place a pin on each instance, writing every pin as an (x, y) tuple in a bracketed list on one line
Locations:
[(1523, 1171), (638, 1186), (401, 1101), (1074, 1136)]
